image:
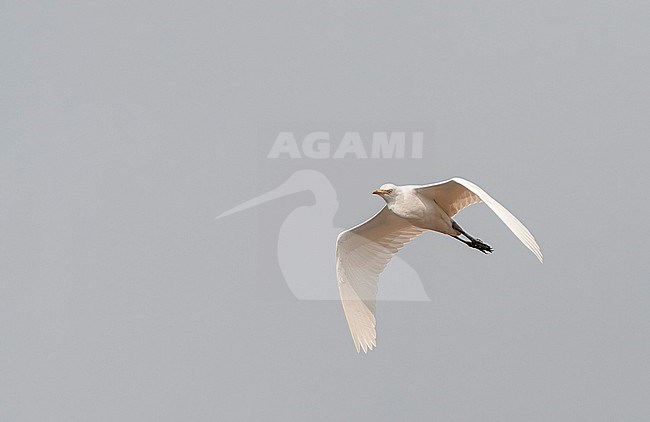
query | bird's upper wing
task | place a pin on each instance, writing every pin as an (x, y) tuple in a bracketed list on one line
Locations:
[(362, 253), (456, 194)]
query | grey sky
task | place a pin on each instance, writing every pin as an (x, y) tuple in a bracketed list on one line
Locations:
[(127, 127)]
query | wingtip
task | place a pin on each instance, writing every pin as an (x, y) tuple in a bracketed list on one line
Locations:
[(365, 349), (364, 346)]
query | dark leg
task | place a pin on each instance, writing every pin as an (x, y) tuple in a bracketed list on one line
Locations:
[(473, 242), (462, 240)]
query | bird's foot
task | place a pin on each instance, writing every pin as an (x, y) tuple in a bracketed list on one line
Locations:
[(481, 246)]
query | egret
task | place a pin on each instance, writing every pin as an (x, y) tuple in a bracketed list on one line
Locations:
[(363, 251)]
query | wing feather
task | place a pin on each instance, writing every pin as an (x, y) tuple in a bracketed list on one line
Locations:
[(362, 253), (455, 194)]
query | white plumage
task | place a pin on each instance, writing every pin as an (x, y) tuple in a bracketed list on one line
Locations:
[(363, 252)]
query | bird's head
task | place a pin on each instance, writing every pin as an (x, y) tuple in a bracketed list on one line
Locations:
[(387, 191)]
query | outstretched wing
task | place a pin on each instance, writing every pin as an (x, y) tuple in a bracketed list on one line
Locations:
[(362, 253), (455, 194)]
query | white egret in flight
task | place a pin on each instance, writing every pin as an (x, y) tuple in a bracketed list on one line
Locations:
[(363, 252)]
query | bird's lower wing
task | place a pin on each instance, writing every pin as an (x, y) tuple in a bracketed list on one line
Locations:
[(455, 194), (362, 253)]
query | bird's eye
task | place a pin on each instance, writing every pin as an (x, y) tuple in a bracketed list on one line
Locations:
[(389, 191)]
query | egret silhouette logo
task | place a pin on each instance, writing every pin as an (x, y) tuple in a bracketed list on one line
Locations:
[(298, 158)]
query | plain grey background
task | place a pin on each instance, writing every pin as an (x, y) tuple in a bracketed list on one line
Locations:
[(128, 126)]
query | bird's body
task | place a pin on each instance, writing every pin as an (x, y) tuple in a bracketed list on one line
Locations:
[(420, 211), (363, 251)]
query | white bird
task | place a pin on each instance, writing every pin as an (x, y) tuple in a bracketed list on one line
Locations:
[(363, 251)]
